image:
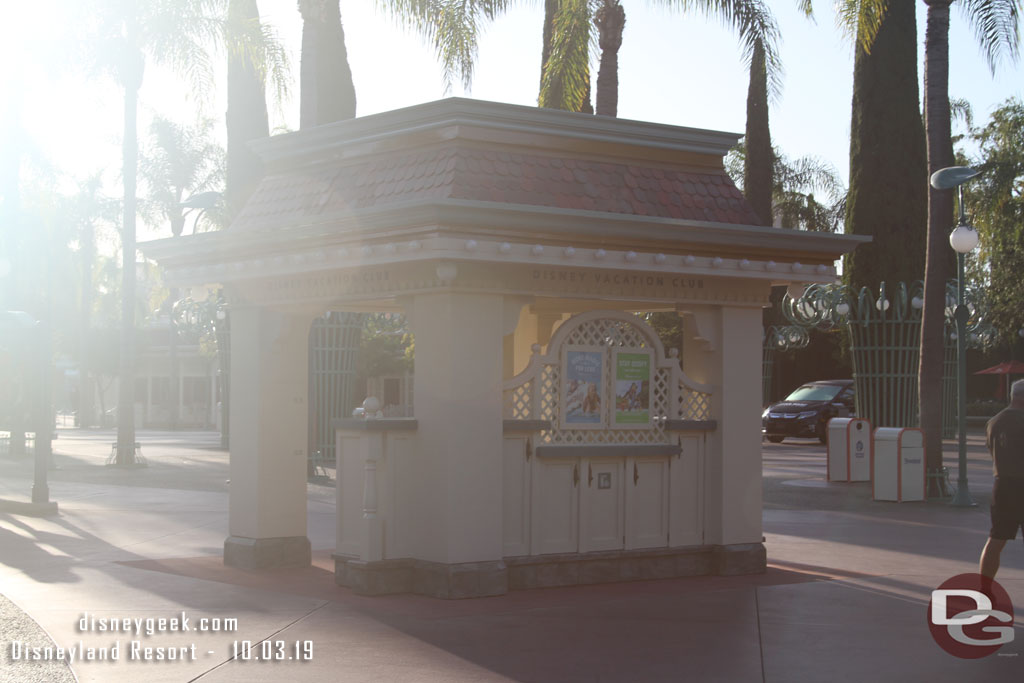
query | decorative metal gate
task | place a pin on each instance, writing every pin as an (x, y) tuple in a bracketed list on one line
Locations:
[(885, 334), (333, 348)]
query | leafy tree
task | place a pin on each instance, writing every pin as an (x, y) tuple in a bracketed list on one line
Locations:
[(995, 202)]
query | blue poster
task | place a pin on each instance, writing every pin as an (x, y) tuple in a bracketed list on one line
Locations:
[(583, 374)]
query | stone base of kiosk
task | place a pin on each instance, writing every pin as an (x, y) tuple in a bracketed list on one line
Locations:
[(267, 553), (482, 579), (447, 581), (581, 569)]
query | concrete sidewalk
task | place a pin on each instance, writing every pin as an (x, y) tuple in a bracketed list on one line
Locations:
[(844, 599)]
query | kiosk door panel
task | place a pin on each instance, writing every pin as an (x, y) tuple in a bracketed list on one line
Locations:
[(515, 477), (686, 524), (646, 502), (601, 504), (555, 503)]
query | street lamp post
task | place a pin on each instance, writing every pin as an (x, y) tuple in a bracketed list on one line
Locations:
[(963, 239)]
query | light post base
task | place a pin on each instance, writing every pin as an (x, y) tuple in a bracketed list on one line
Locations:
[(962, 497), (939, 486)]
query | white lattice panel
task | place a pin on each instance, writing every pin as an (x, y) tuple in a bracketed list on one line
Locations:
[(672, 395), (517, 401), (693, 404)]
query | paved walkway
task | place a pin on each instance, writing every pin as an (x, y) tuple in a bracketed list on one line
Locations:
[(844, 598)]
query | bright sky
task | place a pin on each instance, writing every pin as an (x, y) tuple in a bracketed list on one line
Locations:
[(674, 69)]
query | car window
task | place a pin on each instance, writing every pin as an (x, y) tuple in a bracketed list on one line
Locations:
[(815, 392), (846, 395)]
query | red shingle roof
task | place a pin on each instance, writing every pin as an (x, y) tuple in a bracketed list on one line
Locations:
[(467, 173)]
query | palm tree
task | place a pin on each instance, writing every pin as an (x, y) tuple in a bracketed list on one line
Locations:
[(996, 25), (757, 162), (565, 75), (88, 209), (765, 77), (247, 119), (326, 89), (452, 26), (176, 162), (610, 20), (565, 70), (798, 187), (887, 149), (177, 34)]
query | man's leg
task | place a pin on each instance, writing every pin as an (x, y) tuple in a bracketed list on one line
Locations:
[(989, 564)]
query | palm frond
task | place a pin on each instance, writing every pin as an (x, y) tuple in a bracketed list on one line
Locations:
[(996, 24), (753, 22), (961, 110), (860, 20), (179, 34), (566, 74), (258, 43), (451, 26)]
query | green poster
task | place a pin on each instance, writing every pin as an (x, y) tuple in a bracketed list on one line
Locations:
[(632, 389)]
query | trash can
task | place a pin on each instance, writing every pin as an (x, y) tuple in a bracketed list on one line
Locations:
[(898, 472), (849, 449)]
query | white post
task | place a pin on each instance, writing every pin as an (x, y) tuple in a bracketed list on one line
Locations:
[(267, 505), (723, 349), (457, 396)]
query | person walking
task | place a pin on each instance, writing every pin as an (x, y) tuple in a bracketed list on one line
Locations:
[(1005, 440)]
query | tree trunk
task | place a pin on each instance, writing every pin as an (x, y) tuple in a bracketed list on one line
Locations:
[(585, 106), (326, 90), (132, 81), (888, 158), (610, 20), (757, 163), (246, 118), (84, 413), (940, 213)]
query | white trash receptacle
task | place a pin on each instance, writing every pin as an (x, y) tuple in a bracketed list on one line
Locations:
[(898, 472), (850, 443)]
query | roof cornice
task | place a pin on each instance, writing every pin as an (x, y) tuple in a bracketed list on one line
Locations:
[(519, 223), (443, 120)]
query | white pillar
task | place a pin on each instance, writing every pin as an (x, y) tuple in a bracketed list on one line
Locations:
[(269, 369), (740, 426), (722, 348), (457, 397)]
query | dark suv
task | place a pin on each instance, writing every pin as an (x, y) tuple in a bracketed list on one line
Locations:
[(806, 411)]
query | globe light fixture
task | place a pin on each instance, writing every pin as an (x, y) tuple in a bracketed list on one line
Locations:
[(963, 239)]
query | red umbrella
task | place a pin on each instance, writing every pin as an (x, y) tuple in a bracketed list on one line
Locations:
[(1007, 367)]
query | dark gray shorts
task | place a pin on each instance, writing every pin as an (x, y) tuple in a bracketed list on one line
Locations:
[(1007, 508)]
